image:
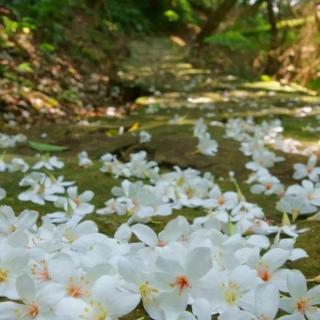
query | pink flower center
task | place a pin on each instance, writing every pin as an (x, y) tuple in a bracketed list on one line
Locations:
[(161, 243), (309, 169), (33, 310), (74, 291), (265, 275), (302, 306), (182, 283), (41, 272), (268, 186)]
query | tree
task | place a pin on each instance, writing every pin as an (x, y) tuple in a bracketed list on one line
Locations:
[(272, 62), (317, 14), (215, 18)]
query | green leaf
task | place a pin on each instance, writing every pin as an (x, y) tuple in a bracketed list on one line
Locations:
[(47, 47), (171, 15), (44, 147), (25, 67), (285, 219), (10, 26)]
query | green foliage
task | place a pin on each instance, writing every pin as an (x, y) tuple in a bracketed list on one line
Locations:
[(231, 40), (128, 15), (314, 84), (184, 10), (70, 95), (25, 67), (47, 48), (49, 16), (10, 26), (171, 15)]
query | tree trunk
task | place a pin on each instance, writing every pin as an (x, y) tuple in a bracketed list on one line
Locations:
[(97, 8), (317, 14), (272, 62), (273, 24), (215, 18)]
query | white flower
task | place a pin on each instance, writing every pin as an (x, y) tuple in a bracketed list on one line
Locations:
[(9, 223), (47, 162), (3, 193), (267, 185), (179, 279), (18, 164), (119, 206), (176, 230), (302, 303), (141, 283), (42, 189), (144, 136), (231, 289), (84, 161), (20, 138), (268, 267), (141, 168), (73, 231), (109, 301), (112, 165), (265, 307), (74, 281), (295, 205), (263, 159), (200, 128), (143, 201), (207, 146), (75, 206), (7, 141), (13, 262), (221, 201), (309, 170), (309, 192), (32, 179), (37, 304)]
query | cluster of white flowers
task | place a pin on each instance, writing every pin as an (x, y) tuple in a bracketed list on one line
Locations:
[(18, 164), (10, 141), (206, 145), (253, 139), (42, 188), (229, 264), (189, 188), (296, 199), (71, 272), (140, 202), (47, 162), (303, 199), (138, 166), (15, 165)]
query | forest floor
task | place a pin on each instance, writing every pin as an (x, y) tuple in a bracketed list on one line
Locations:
[(170, 87)]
